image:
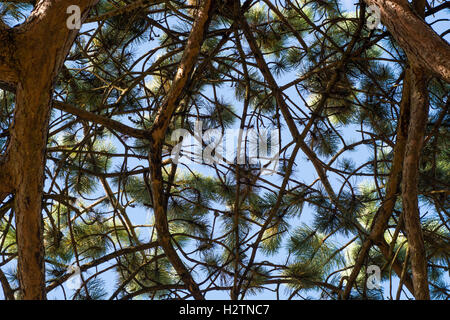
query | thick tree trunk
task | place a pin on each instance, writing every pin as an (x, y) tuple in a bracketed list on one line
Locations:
[(413, 116), (30, 56), (416, 134)]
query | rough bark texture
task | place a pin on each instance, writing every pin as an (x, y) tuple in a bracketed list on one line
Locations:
[(31, 55), (422, 45), (416, 134)]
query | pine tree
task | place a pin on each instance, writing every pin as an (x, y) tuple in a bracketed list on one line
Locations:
[(94, 206)]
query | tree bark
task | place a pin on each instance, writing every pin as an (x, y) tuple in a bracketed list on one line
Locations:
[(414, 144), (30, 58), (28, 140), (387, 207), (422, 45)]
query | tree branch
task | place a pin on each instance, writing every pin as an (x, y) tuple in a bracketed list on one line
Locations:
[(7, 290), (40, 46), (382, 216), (104, 259), (158, 132)]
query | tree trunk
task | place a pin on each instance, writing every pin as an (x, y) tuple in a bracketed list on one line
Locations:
[(29, 139), (384, 213), (157, 135), (422, 45), (31, 55)]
